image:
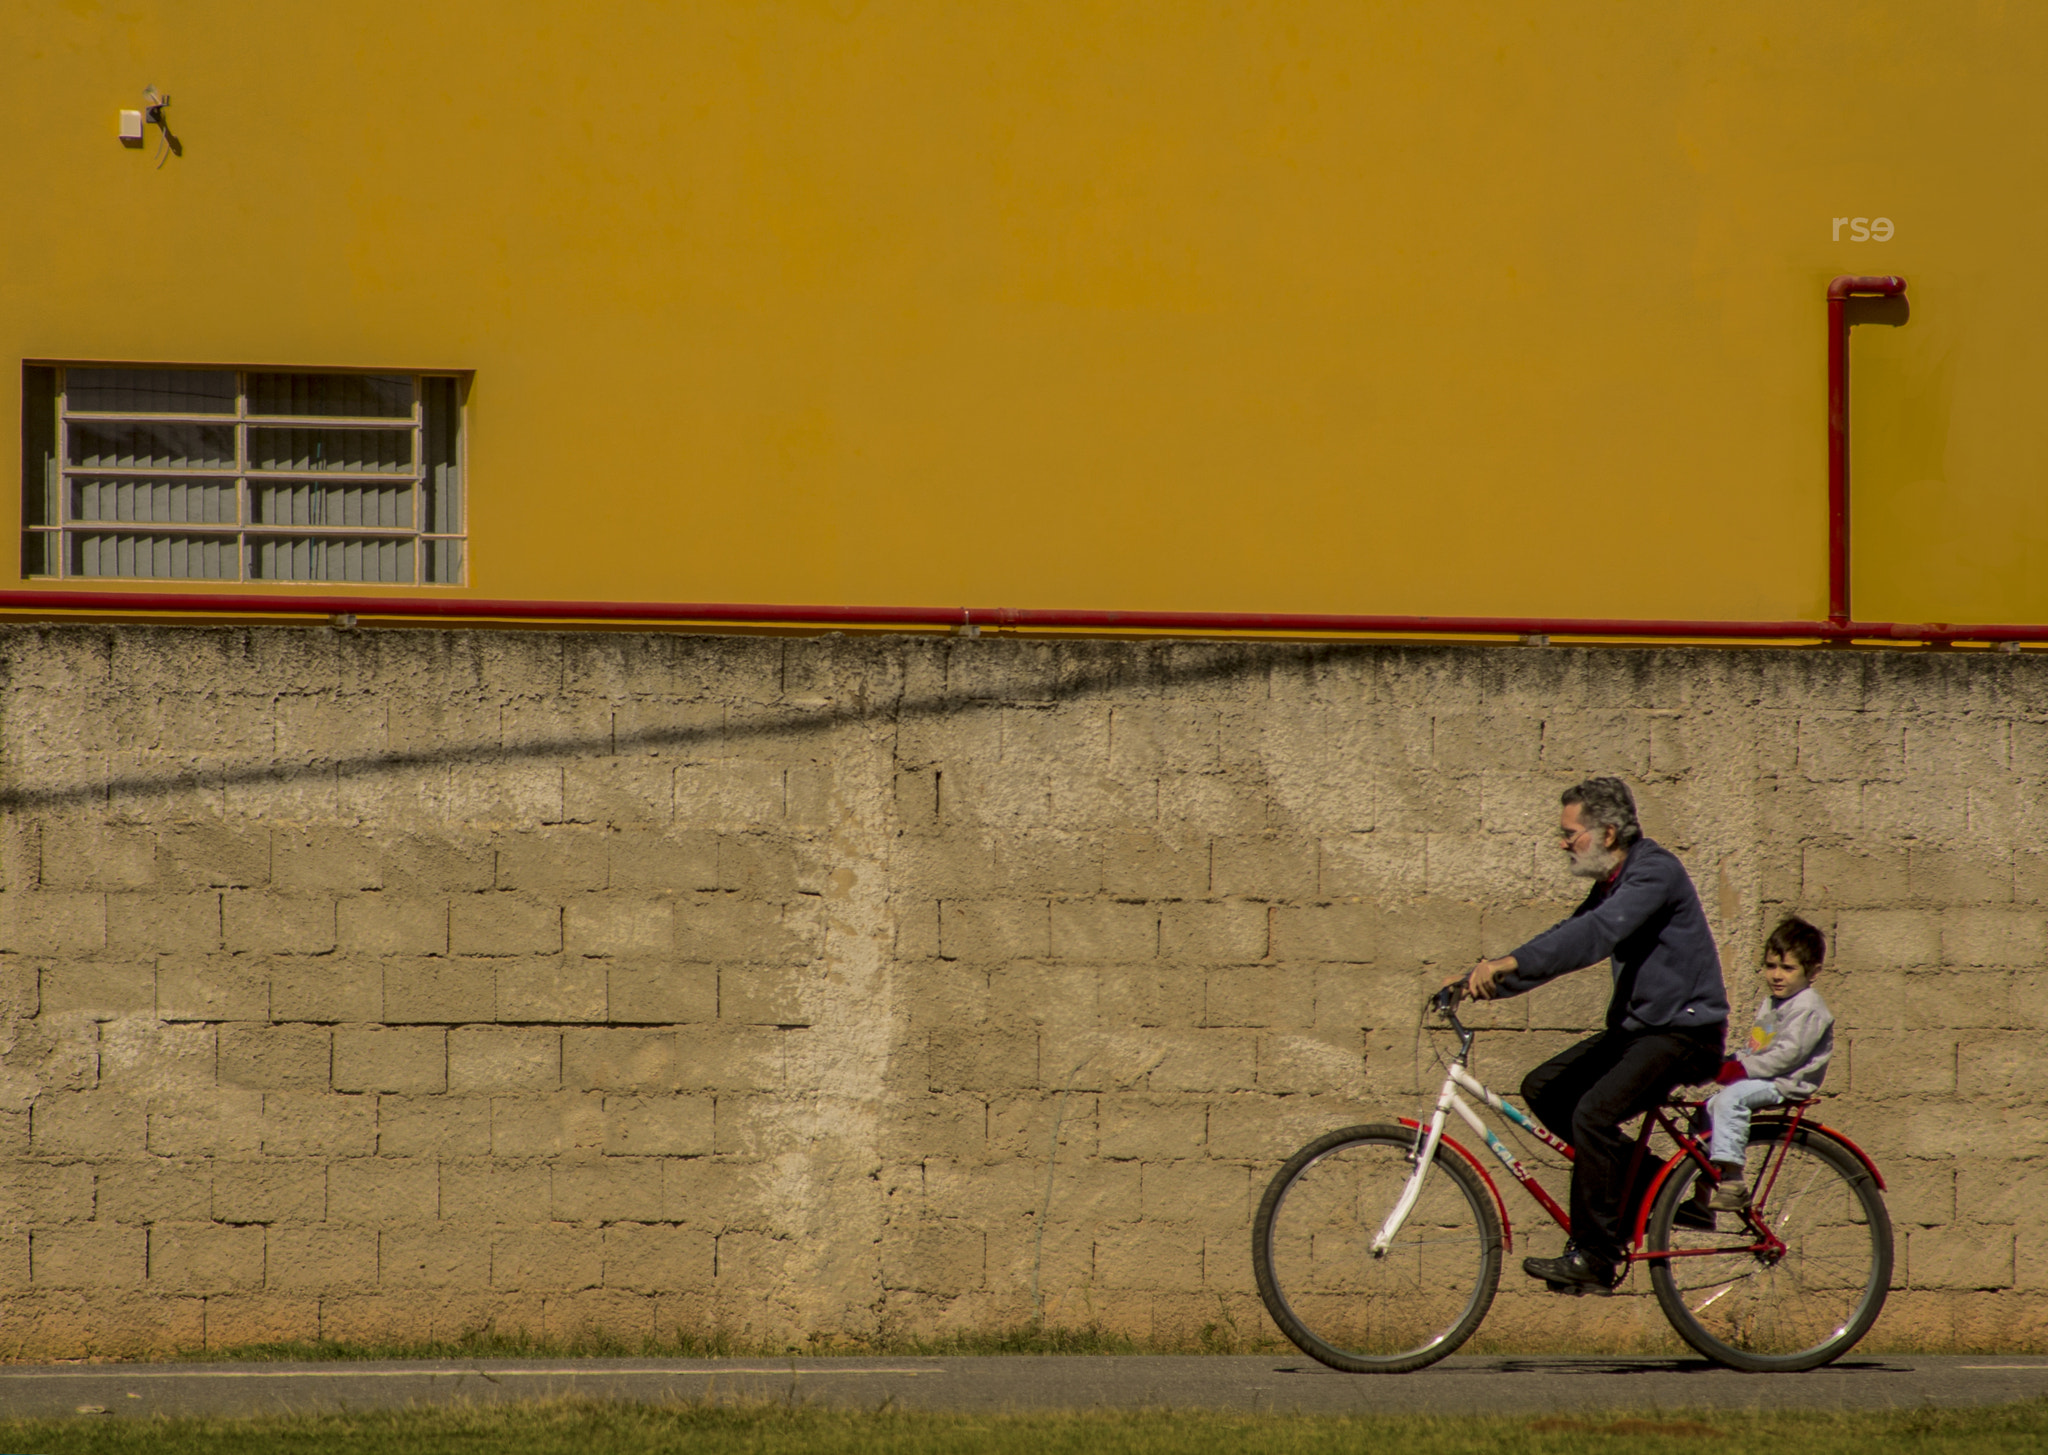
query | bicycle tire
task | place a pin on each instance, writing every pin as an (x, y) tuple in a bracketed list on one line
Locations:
[(1810, 1306), (1340, 1306)]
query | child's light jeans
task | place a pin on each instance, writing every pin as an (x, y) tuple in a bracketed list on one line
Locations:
[(1730, 1111)]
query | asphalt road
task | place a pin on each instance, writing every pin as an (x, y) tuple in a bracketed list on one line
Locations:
[(1460, 1385)]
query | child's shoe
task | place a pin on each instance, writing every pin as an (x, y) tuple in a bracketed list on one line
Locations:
[(1731, 1194)]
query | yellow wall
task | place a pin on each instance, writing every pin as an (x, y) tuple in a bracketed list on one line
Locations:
[(1323, 306)]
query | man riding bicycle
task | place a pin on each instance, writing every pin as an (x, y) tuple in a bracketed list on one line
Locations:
[(1667, 1020)]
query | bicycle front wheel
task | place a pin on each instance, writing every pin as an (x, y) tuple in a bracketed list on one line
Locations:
[(1796, 1306), (1366, 1314)]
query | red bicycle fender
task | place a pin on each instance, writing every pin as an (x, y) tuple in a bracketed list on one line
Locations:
[(1650, 1197), (1507, 1229), (1861, 1156)]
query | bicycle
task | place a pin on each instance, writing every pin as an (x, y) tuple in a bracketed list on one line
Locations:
[(1376, 1252)]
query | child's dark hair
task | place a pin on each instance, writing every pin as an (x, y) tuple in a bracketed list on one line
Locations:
[(1795, 939)]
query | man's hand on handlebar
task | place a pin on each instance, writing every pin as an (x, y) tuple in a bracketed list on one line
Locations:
[(1482, 981)]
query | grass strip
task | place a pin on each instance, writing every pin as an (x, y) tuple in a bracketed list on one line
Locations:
[(573, 1427)]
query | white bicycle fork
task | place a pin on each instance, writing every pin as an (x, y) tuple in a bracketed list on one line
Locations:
[(1447, 1101)]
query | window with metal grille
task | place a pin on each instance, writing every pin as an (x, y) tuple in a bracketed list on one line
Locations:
[(241, 475)]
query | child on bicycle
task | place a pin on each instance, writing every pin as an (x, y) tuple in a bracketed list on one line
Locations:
[(1791, 1040)]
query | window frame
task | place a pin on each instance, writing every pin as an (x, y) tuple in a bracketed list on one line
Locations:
[(246, 532)]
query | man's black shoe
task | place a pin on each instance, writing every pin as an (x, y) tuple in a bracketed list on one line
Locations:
[(1693, 1214), (1573, 1273)]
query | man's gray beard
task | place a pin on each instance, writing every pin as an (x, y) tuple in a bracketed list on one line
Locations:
[(1594, 863)]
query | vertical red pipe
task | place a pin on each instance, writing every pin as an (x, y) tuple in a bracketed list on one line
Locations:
[(1839, 293)]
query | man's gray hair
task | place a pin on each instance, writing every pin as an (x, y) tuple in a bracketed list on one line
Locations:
[(1606, 803)]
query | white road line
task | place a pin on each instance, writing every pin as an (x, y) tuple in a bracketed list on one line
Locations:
[(132, 1375)]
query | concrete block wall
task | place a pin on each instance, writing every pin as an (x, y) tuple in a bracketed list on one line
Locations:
[(385, 984)]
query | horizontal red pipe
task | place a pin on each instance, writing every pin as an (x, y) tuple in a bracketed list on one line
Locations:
[(1013, 618)]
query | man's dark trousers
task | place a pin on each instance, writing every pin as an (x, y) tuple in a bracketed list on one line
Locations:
[(1584, 1095)]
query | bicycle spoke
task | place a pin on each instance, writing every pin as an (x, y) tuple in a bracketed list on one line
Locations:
[(1702, 1305)]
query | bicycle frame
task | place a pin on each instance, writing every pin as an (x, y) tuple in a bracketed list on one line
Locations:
[(1690, 1148), (1449, 1101)]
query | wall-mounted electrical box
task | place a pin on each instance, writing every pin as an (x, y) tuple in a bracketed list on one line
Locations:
[(131, 126)]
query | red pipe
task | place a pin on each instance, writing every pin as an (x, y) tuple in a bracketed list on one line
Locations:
[(1839, 292), (1012, 618)]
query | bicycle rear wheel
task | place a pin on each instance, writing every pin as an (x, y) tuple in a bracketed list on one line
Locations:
[(1798, 1309), (1311, 1252)]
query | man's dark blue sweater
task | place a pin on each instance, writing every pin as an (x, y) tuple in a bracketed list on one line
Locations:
[(1667, 973)]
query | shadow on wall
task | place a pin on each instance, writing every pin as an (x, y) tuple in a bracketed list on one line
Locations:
[(1073, 671), (1216, 663), (1892, 312)]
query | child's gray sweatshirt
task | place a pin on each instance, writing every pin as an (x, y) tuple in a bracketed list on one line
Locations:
[(1790, 1041)]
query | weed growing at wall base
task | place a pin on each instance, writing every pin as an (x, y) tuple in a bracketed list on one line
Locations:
[(1022, 1339), (578, 1428), (599, 1344)]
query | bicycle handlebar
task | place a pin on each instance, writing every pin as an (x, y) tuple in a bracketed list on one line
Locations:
[(1445, 1004)]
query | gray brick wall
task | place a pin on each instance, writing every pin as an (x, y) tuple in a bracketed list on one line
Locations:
[(381, 984)]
